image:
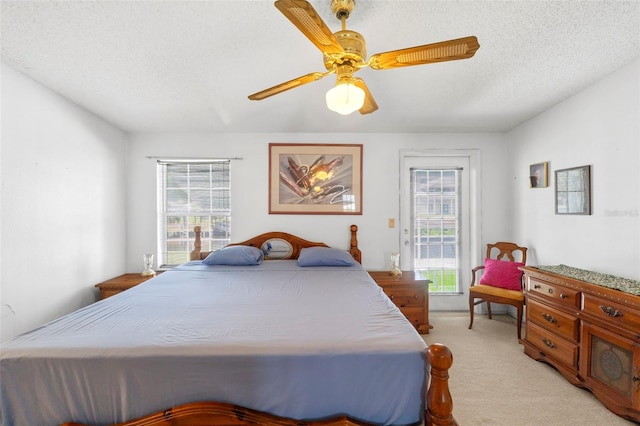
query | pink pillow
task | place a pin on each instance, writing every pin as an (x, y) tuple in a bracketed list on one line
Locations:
[(503, 274)]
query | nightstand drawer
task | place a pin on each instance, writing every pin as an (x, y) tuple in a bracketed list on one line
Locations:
[(414, 315), (120, 283), (406, 296), (409, 293), (108, 292)]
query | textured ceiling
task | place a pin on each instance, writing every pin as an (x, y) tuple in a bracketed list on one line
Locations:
[(188, 66)]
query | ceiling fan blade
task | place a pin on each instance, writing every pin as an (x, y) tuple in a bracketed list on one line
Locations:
[(451, 50), (314, 76), (304, 16), (370, 104)]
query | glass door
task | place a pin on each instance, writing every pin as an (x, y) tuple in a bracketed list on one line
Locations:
[(436, 230)]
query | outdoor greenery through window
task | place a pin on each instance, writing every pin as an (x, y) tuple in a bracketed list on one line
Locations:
[(436, 227), (192, 193)]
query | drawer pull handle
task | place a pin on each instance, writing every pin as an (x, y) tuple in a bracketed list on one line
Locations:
[(415, 296), (550, 291), (536, 286), (610, 312), (549, 318), (563, 296), (549, 343)]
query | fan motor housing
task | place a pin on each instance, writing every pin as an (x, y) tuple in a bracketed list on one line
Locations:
[(355, 49)]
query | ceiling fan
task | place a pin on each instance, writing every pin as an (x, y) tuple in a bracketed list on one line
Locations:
[(345, 53)]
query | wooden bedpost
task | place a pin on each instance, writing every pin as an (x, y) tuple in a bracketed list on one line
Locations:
[(439, 403), (353, 249), (197, 245)]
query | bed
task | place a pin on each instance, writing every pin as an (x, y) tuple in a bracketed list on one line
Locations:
[(282, 341)]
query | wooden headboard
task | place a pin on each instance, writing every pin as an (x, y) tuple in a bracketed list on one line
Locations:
[(296, 243)]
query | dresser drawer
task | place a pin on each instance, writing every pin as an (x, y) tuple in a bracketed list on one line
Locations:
[(562, 295), (406, 296), (553, 345), (612, 313), (553, 320)]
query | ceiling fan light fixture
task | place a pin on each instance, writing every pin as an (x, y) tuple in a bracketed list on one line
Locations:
[(345, 98), (344, 53)]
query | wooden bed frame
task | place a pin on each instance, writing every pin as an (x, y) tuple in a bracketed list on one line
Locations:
[(438, 408)]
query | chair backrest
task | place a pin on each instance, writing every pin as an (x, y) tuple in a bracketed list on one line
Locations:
[(507, 250)]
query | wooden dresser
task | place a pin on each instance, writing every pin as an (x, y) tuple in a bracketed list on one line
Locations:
[(409, 293), (120, 283), (587, 325)]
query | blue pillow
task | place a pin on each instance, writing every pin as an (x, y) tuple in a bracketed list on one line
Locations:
[(324, 256), (235, 255)]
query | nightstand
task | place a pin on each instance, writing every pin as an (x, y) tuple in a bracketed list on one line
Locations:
[(121, 283), (409, 293)]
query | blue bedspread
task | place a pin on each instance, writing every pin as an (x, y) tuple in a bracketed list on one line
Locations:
[(304, 343)]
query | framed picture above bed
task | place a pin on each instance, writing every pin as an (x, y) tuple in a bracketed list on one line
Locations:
[(315, 179)]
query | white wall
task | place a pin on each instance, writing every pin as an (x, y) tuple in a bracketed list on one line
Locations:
[(599, 127), (249, 181), (63, 205)]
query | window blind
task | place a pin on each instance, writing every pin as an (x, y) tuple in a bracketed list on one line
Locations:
[(192, 193)]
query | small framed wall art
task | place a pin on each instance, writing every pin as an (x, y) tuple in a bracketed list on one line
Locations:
[(539, 175), (573, 190), (315, 179)]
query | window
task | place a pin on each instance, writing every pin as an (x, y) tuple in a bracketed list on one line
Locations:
[(436, 213), (192, 193)]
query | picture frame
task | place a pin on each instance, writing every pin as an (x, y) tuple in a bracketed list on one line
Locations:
[(539, 175), (315, 178), (573, 190)]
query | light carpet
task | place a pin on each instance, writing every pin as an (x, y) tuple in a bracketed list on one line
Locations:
[(493, 382)]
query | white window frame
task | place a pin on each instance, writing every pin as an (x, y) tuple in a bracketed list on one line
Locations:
[(211, 211)]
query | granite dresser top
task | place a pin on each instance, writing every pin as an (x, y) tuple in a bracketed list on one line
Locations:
[(610, 281)]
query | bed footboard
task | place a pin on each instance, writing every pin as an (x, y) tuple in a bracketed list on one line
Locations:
[(438, 412), (439, 402)]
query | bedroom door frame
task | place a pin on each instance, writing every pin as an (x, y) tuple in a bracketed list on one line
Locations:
[(471, 215)]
